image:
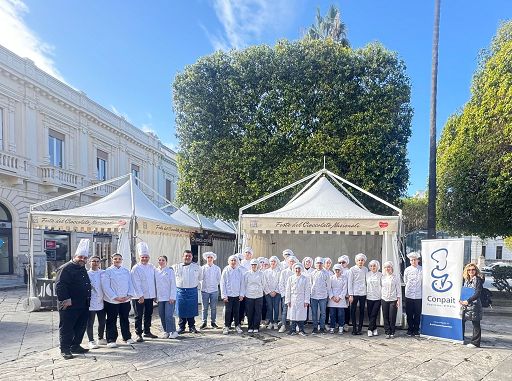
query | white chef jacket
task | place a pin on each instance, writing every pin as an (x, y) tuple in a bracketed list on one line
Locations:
[(116, 282), (357, 281), (253, 284), (231, 282), (373, 285), (413, 280), (338, 288), (143, 279), (271, 280), (210, 278), (283, 278), (391, 287), (297, 292), (165, 284), (320, 284), (96, 290), (187, 276)]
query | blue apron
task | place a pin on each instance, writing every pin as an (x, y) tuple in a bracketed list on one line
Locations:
[(186, 302)]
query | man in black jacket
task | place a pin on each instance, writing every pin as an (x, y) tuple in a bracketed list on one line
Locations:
[(73, 289)]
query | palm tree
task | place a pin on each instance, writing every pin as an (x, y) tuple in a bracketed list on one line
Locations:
[(432, 190), (328, 26)]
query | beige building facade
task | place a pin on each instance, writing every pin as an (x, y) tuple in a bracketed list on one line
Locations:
[(54, 140)]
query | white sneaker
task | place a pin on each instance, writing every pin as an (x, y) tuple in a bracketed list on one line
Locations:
[(370, 333), (250, 331), (225, 330), (165, 335), (102, 342), (282, 329), (391, 336), (130, 341), (112, 345), (375, 332), (93, 345), (471, 345), (238, 329), (340, 331), (255, 330), (173, 335), (331, 330)]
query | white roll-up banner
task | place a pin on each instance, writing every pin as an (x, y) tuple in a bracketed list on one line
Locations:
[(442, 262)]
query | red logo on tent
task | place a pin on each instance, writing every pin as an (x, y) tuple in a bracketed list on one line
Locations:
[(383, 224), (121, 222)]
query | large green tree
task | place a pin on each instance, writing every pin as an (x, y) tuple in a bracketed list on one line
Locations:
[(254, 120), (475, 151)]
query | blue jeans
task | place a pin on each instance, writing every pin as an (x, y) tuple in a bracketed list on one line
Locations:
[(166, 313), (210, 300), (337, 317), (294, 324), (272, 308), (284, 312), (315, 305)]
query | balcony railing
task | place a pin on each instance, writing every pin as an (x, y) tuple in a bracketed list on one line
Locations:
[(58, 176), (12, 163), (102, 190)]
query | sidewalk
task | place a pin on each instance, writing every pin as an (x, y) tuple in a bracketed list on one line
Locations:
[(29, 352)]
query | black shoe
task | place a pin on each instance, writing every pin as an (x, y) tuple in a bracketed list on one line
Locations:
[(354, 333), (193, 330), (150, 335), (409, 333), (67, 355), (322, 331), (180, 330), (214, 325), (416, 333), (202, 326), (78, 349), (139, 339), (289, 333), (315, 331), (358, 333)]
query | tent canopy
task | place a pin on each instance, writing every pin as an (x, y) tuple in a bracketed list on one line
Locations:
[(113, 213), (320, 209)]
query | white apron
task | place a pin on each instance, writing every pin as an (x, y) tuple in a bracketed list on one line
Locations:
[(298, 292)]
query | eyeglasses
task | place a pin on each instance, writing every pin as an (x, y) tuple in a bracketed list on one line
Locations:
[(471, 269)]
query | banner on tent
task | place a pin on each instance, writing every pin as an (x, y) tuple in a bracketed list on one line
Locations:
[(442, 261), (317, 224), (74, 223)]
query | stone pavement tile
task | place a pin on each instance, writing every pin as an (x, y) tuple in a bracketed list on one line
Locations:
[(154, 373), (120, 377), (103, 373)]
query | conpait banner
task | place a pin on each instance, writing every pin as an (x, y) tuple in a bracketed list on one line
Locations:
[(442, 262)]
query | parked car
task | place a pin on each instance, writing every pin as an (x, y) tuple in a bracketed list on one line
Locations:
[(488, 269)]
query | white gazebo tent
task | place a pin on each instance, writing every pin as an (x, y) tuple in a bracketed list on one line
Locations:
[(126, 211), (321, 221)]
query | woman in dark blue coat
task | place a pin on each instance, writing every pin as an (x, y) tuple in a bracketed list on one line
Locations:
[(472, 306)]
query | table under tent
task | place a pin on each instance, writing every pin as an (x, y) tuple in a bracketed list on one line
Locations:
[(320, 220), (127, 212)]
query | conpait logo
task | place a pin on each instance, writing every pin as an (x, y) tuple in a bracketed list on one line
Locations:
[(439, 273)]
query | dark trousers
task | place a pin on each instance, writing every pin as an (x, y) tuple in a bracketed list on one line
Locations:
[(253, 310), (101, 324), (143, 310), (264, 312), (373, 307), (477, 332), (182, 322), (232, 311), (358, 299), (347, 315), (389, 311), (413, 311), (294, 324), (72, 325), (337, 316), (241, 313), (113, 311)]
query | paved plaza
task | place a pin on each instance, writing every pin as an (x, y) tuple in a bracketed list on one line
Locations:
[(29, 351)]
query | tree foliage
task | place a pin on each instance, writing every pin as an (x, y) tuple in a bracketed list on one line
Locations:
[(252, 121), (475, 150), (502, 276), (329, 26), (414, 211)]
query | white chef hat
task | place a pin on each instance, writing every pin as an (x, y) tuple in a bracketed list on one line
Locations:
[(254, 262), (361, 255), (327, 259), (388, 263), (298, 265), (293, 258), (319, 260), (142, 249), (234, 256), (248, 250), (209, 254), (337, 266), (83, 247), (287, 252), (274, 258), (374, 262), (307, 259), (414, 255), (263, 260), (344, 258)]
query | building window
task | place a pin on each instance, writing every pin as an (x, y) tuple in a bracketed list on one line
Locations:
[(1, 128), (101, 165), (135, 173), (499, 252), (55, 148), (484, 248), (168, 189)]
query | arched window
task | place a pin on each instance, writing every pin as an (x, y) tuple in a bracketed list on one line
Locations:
[(6, 260)]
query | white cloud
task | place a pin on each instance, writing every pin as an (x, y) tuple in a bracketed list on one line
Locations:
[(16, 36), (246, 21)]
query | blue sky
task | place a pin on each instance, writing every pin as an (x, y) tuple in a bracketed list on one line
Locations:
[(124, 54)]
